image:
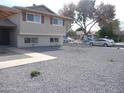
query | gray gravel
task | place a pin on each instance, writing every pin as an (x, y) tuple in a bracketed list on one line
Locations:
[(6, 52), (77, 70)]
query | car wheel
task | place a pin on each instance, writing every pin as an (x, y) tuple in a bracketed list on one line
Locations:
[(105, 45)]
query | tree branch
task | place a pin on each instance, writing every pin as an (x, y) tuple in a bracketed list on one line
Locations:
[(92, 26), (90, 23), (78, 22)]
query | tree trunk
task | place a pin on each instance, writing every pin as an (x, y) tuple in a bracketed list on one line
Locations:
[(85, 37)]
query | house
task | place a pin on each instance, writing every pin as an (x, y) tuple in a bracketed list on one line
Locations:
[(91, 35), (32, 26)]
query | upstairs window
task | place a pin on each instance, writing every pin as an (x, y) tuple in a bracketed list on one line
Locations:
[(34, 18), (57, 21), (37, 18)]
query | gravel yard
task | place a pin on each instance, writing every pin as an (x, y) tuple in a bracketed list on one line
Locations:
[(76, 70)]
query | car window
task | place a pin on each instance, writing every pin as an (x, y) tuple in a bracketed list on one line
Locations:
[(97, 40), (100, 40)]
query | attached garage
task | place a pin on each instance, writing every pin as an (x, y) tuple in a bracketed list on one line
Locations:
[(4, 37), (6, 26)]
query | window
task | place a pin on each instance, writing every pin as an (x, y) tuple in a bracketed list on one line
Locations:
[(57, 21), (37, 18), (34, 40), (30, 40), (51, 40), (34, 18), (27, 40), (30, 17), (101, 40), (54, 40)]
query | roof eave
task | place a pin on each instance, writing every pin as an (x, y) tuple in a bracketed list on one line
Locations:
[(49, 14), (6, 11)]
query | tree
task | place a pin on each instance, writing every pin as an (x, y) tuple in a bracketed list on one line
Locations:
[(106, 31), (106, 20), (71, 34), (110, 29), (82, 14), (86, 14), (105, 13), (68, 10)]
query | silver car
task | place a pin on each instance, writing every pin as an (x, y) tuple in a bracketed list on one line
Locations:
[(102, 42)]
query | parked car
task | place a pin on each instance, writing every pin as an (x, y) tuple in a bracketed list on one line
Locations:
[(102, 42), (77, 42), (67, 39)]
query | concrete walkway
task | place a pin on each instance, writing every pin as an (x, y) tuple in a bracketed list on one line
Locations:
[(34, 58)]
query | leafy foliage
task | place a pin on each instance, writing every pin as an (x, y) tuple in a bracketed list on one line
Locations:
[(72, 34), (85, 15), (85, 10), (68, 10), (80, 29), (109, 29), (105, 13), (34, 74), (106, 31)]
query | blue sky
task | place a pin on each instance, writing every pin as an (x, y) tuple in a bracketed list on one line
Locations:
[(55, 5)]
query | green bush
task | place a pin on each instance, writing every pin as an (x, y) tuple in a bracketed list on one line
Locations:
[(35, 74), (118, 39), (106, 31)]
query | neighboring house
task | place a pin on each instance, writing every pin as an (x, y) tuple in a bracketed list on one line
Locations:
[(32, 26), (91, 35)]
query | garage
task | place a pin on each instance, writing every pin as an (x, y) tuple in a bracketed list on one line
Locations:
[(4, 37), (6, 28)]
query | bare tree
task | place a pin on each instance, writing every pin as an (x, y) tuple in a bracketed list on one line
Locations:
[(85, 14), (68, 10), (105, 13)]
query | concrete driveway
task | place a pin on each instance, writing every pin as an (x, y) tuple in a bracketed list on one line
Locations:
[(21, 57), (76, 70)]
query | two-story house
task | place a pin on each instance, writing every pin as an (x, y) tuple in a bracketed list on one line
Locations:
[(32, 26)]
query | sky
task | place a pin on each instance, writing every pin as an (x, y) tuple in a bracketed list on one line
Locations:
[(55, 5)]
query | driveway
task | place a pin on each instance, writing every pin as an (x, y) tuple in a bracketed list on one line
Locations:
[(76, 70), (15, 57)]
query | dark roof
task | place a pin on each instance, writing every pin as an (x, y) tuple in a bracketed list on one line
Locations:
[(42, 8), (6, 23)]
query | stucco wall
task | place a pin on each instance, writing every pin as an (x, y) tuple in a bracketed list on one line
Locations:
[(13, 38), (13, 33), (45, 28), (42, 41), (42, 31)]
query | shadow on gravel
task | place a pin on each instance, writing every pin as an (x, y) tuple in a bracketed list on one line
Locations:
[(44, 48), (55, 48)]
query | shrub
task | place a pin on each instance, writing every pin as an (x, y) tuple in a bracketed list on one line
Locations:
[(35, 74), (111, 60)]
